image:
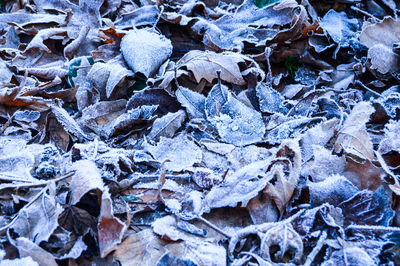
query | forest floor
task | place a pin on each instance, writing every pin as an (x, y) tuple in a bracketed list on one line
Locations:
[(140, 132)]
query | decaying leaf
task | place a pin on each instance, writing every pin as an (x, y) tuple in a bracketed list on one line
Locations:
[(241, 132), (353, 137), (180, 151), (207, 64), (167, 125), (380, 37), (287, 160)]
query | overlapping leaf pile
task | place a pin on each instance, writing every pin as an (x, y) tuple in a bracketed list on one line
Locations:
[(199, 132)]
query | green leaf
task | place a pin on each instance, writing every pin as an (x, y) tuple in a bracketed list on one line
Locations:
[(130, 198), (263, 3), (138, 86)]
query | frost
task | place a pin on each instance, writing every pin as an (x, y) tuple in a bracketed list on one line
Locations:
[(145, 51), (167, 125), (324, 164), (317, 135), (353, 137), (26, 116), (192, 101), (349, 256), (241, 186), (238, 124), (391, 140), (270, 100), (181, 152), (333, 190)]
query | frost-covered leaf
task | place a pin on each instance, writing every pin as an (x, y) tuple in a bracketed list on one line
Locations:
[(181, 151), (216, 98), (26, 116), (107, 76), (167, 125), (133, 120), (341, 29), (166, 103), (365, 208), (110, 228), (317, 135), (99, 115), (286, 239), (391, 141), (86, 178), (353, 137), (6, 73), (27, 248), (349, 256), (364, 175), (69, 124), (269, 99), (380, 37), (334, 189), (324, 164), (145, 50), (192, 101), (241, 186), (38, 220), (45, 34), (237, 123), (207, 64), (281, 127), (144, 248), (285, 171)]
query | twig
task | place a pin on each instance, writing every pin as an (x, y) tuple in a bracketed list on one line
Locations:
[(206, 222), (158, 17), (38, 184), (317, 248), (373, 228), (367, 89), (364, 13)]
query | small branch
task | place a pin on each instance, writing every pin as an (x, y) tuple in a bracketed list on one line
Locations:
[(374, 228), (209, 224), (37, 184), (317, 248)]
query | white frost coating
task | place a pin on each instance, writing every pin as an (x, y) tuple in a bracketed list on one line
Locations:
[(181, 152), (333, 190), (27, 261), (241, 186), (324, 164), (167, 125), (353, 137), (17, 159), (318, 135), (145, 51), (391, 141), (238, 124), (173, 205), (218, 147)]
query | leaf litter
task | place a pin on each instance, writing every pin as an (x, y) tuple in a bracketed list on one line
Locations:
[(199, 132)]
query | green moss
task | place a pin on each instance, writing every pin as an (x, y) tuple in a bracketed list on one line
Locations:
[(292, 64)]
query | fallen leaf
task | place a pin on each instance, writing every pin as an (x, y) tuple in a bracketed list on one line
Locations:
[(145, 51), (380, 37), (353, 138), (167, 125), (207, 64)]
